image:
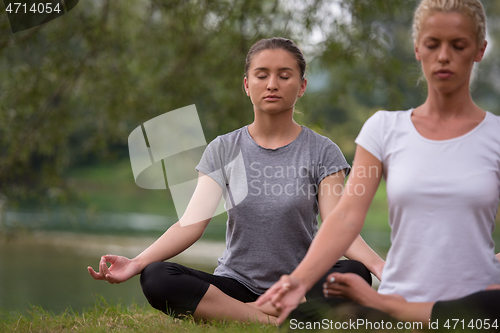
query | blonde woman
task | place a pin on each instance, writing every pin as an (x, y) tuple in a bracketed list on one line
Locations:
[(441, 162)]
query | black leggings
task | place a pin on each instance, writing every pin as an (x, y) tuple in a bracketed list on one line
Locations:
[(177, 290), (478, 306)]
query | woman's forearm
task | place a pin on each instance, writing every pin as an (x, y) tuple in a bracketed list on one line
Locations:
[(189, 228), (341, 227), (363, 253), (323, 252), (174, 241), (405, 311)]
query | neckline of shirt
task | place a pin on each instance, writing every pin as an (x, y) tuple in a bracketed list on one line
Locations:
[(302, 131), (460, 137)]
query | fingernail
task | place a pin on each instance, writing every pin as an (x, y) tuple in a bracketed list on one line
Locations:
[(325, 286), (332, 280)]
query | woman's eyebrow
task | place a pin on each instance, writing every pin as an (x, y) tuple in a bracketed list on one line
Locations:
[(433, 39), (279, 69)]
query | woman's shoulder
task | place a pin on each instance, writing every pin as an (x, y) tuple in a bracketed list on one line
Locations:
[(493, 118), (391, 115), (316, 138), (232, 138), (233, 135), (310, 132), (385, 120), (491, 127)]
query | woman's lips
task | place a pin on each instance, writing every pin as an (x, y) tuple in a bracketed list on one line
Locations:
[(272, 98), (444, 74)]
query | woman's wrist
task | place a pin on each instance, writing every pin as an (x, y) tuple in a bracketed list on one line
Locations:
[(302, 281), (377, 268), (140, 263)]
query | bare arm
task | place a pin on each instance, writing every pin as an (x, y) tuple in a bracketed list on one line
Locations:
[(189, 228), (175, 240), (346, 220), (328, 197), (363, 253), (343, 224), (354, 287)]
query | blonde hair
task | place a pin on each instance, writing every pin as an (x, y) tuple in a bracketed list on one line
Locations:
[(472, 8)]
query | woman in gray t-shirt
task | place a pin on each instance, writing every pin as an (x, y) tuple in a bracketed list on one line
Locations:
[(275, 177)]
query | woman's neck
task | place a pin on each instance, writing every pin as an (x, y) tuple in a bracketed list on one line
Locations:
[(444, 117), (274, 131), (458, 104)]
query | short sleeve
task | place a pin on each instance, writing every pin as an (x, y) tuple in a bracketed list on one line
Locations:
[(331, 160), (370, 136), (211, 162)]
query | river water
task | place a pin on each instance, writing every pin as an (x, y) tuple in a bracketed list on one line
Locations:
[(49, 269)]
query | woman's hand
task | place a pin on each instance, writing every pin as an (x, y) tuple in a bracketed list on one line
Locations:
[(121, 269), (377, 269), (285, 295)]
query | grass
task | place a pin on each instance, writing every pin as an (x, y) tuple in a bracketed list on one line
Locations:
[(111, 188), (105, 317)]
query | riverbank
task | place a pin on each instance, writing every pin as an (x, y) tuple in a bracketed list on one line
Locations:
[(201, 253), (49, 269)]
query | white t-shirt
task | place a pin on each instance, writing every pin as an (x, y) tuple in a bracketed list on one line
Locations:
[(443, 198)]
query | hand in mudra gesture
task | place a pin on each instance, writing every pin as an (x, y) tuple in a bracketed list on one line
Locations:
[(121, 269)]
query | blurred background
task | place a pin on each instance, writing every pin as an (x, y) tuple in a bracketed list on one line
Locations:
[(72, 90)]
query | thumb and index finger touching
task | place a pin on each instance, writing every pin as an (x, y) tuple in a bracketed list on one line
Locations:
[(102, 268)]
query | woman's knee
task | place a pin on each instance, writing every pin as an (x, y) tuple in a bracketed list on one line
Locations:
[(172, 288), (157, 277), (356, 267)]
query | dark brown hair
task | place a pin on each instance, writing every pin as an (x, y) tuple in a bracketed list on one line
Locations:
[(277, 43)]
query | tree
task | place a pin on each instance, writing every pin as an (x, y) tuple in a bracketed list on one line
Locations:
[(73, 89)]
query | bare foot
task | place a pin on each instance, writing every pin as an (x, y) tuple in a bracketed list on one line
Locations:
[(351, 286), (268, 308), (354, 287)]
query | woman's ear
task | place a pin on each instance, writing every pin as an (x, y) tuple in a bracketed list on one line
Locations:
[(245, 84), (303, 86), (480, 53), (417, 53)]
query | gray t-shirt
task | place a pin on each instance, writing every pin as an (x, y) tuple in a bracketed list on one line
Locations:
[(271, 199)]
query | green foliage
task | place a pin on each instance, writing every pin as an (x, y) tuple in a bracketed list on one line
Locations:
[(73, 89)]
